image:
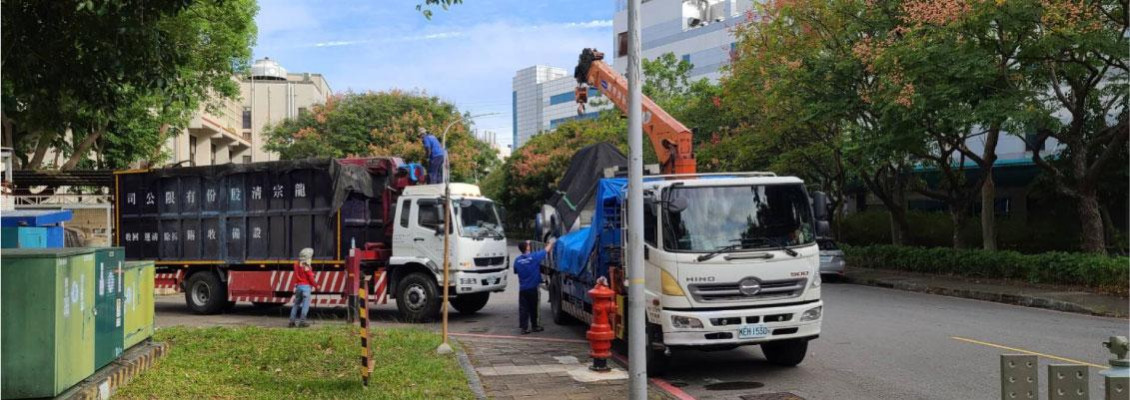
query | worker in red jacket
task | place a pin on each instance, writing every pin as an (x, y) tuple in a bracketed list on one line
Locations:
[(304, 285)]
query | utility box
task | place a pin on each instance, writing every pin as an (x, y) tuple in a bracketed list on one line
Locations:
[(138, 302), (48, 320), (24, 238), (109, 305)]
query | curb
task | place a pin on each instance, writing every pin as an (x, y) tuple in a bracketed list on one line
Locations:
[(472, 376), (118, 373), (1014, 299)]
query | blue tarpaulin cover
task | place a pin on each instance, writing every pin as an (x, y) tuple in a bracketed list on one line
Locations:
[(572, 250)]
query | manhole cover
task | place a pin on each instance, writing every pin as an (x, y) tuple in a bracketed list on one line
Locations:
[(772, 396), (734, 385)]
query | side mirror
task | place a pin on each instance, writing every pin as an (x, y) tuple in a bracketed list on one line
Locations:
[(820, 206), (677, 205), (823, 229)]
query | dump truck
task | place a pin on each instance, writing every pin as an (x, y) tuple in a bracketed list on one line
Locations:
[(231, 233), (730, 258)]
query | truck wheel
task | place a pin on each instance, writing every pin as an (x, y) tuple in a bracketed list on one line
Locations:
[(658, 360), (418, 298), (560, 317), (470, 303), (786, 353), (205, 294)]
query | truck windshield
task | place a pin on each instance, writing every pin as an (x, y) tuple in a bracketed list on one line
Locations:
[(739, 217), (478, 218)]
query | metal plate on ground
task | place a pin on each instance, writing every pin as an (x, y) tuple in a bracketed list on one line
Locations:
[(1019, 376), (772, 396)]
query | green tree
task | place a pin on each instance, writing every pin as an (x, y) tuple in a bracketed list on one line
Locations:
[(1079, 61), (383, 124), (110, 60)]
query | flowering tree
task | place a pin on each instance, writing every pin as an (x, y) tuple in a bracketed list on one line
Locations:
[(382, 124)]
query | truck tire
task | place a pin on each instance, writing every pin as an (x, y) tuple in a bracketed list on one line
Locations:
[(560, 317), (470, 303), (205, 294), (418, 297), (658, 359), (787, 353)]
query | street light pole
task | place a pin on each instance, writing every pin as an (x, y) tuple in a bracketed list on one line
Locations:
[(445, 347), (637, 324)]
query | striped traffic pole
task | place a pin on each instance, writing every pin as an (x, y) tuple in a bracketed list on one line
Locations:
[(363, 314)]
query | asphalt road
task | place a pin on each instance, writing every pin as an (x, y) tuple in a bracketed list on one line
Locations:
[(876, 344)]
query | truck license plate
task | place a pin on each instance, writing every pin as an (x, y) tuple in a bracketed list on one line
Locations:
[(753, 331)]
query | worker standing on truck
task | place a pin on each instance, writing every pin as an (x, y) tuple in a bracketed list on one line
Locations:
[(433, 149), (304, 285), (528, 268)]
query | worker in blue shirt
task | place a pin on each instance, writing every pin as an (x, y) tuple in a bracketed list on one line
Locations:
[(528, 268), (433, 150)]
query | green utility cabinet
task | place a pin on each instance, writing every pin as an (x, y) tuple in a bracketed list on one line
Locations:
[(108, 305), (138, 305), (47, 312)]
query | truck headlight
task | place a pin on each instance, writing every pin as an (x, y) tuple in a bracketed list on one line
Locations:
[(682, 322), (812, 314), (670, 285), (815, 281)]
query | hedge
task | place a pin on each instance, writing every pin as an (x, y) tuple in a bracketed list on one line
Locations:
[(1107, 274)]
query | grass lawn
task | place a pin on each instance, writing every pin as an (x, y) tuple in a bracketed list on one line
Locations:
[(282, 363)]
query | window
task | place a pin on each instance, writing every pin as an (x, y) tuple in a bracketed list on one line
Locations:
[(231, 155), (192, 149), (213, 154), (739, 217), (429, 214), (622, 47), (405, 208), (246, 117), (686, 58), (566, 97)]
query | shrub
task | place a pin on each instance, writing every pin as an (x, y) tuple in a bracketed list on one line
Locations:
[(1107, 274), (934, 229)]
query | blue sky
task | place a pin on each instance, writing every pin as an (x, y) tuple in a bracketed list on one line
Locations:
[(466, 55)]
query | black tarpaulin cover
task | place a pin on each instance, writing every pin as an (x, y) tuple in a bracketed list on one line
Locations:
[(346, 178), (579, 184)]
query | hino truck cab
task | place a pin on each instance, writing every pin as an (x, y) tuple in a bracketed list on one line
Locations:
[(477, 247)]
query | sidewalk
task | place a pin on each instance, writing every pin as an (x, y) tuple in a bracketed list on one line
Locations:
[(528, 367), (1010, 292)]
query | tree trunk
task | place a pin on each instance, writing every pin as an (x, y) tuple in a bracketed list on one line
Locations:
[(958, 218), (81, 150), (988, 211), (41, 147), (1092, 223)]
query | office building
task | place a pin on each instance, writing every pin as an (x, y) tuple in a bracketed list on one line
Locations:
[(697, 31), (233, 130), (543, 97)]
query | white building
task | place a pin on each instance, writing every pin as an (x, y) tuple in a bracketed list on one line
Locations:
[(232, 132), (543, 98), (697, 31)]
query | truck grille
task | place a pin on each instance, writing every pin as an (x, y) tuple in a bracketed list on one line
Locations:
[(729, 291), (489, 261)]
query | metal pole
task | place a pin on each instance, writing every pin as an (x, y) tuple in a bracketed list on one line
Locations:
[(637, 323), (445, 347)]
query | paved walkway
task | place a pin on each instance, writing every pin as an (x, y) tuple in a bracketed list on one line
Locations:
[(1019, 293), (529, 367)]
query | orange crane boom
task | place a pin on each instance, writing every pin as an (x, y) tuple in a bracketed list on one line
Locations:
[(670, 138)]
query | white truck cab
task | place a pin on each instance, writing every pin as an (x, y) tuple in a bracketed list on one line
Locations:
[(477, 248), (732, 261)]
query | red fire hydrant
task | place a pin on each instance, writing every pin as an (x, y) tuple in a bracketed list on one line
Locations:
[(600, 333)]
